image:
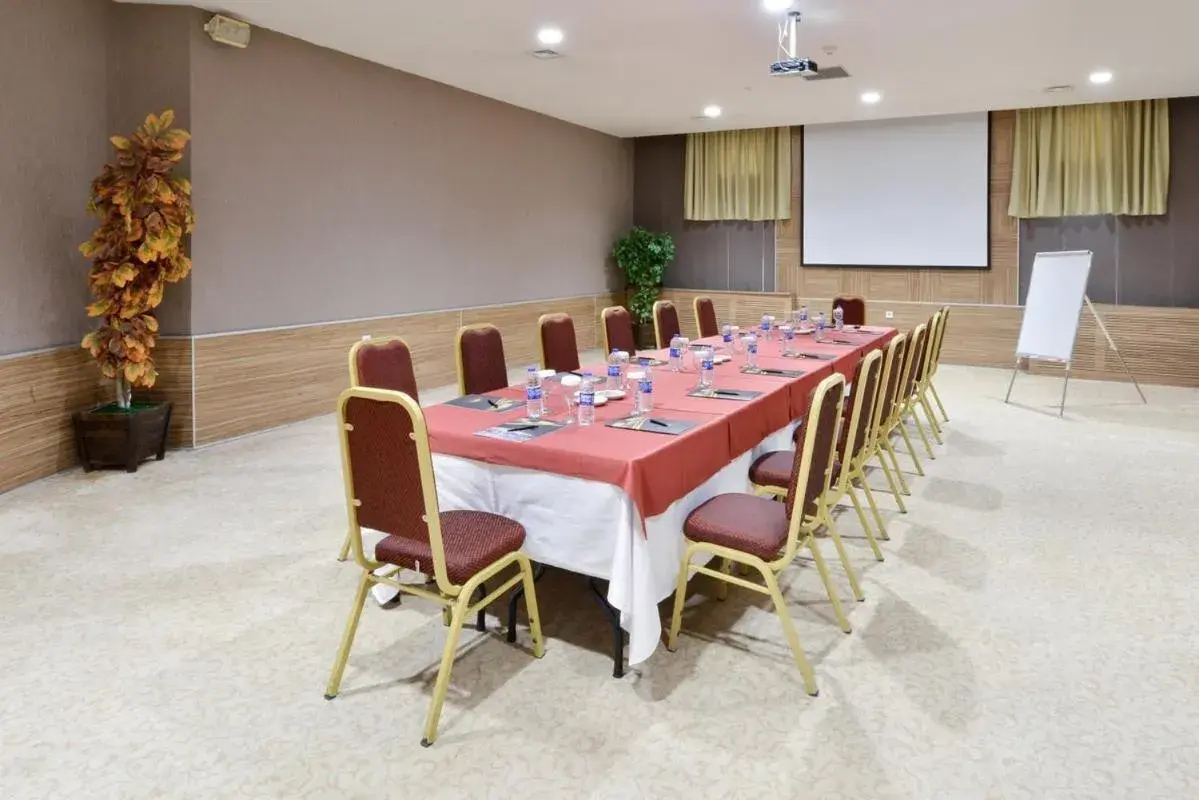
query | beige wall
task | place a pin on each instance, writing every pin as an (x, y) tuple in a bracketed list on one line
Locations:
[(330, 188), (52, 143)]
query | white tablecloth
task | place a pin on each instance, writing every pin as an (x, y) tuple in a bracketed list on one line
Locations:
[(593, 528)]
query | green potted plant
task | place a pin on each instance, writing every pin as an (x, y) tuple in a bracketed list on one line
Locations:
[(643, 256), (145, 214)]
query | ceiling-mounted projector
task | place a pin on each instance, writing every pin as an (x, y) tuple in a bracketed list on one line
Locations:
[(794, 66), (789, 62)]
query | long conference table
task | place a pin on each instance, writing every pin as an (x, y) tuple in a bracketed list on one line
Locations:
[(610, 503)]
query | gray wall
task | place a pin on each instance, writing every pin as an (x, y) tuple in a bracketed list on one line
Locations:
[(149, 71), (736, 256), (53, 141), (329, 188), (1142, 261)]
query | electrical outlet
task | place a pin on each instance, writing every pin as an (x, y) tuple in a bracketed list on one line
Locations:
[(890, 315)]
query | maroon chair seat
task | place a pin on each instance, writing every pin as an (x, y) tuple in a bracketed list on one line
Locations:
[(745, 522), (774, 469), (473, 540)]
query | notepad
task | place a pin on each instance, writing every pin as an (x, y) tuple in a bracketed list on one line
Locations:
[(481, 402), (651, 424), (777, 373), (521, 430), (724, 394)]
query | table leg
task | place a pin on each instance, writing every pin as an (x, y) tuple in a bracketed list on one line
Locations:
[(514, 600), (618, 634)]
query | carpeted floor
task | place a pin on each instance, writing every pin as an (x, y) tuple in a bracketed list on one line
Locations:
[(1032, 634)]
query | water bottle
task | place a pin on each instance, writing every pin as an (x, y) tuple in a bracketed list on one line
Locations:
[(624, 369), (767, 322), (839, 318), (819, 334), (726, 335), (707, 368), (803, 317), (643, 391), (614, 376), (534, 400), (587, 400), (788, 333), (751, 351), (676, 354)]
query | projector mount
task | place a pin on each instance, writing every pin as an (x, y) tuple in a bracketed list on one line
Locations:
[(789, 62)]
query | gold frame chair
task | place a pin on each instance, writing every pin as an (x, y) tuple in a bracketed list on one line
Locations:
[(557, 316), (699, 328), (800, 533), (657, 327), (918, 354), (879, 443), (356, 380), (477, 326), (937, 361), (604, 329), (857, 450), (920, 396), (902, 393), (455, 597)]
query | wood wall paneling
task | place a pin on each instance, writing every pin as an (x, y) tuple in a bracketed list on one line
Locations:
[(38, 394), (249, 382), (173, 358)]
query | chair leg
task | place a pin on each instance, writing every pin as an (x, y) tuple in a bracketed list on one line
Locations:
[(840, 545), (680, 595), (903, 431), (894, 487), (526, 571), (937, 397), (481, 621), (857, 506), (345, 547), (932, 418), (903, 482), (722, 587), (457, 617), (822, 568), (347, 638), (882, 526), (780, 607), (928, 448), (514, 600)]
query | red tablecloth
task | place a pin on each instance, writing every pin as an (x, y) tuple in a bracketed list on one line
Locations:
[(653, 469)]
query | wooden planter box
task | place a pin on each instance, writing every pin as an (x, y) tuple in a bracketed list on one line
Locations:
[(111, 437)]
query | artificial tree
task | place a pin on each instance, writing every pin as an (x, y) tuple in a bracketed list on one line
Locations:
[(138, 248), (643, 257)]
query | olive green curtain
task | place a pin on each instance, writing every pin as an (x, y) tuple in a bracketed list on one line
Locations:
[(1107, 158), (738, 175)]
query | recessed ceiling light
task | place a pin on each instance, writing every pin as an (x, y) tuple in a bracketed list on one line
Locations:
[(550, 35), (777, 5), (712, 112), (870, 98), (1101, 76)]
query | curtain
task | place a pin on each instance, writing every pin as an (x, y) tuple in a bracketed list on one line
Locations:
[(1107, 158), (738, 175)]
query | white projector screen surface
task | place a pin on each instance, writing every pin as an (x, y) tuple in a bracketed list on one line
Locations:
[(897, 193)]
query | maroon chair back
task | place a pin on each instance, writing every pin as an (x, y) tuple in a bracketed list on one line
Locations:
[(666, 323), (618, 330), (382, 444), (559, 348), (915, 361), (865, 392), (481, 364), (705, 317), (825, 414), (383, 364), (853, 308)]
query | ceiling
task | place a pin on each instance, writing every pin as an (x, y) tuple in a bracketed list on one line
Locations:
[(641, 67)]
